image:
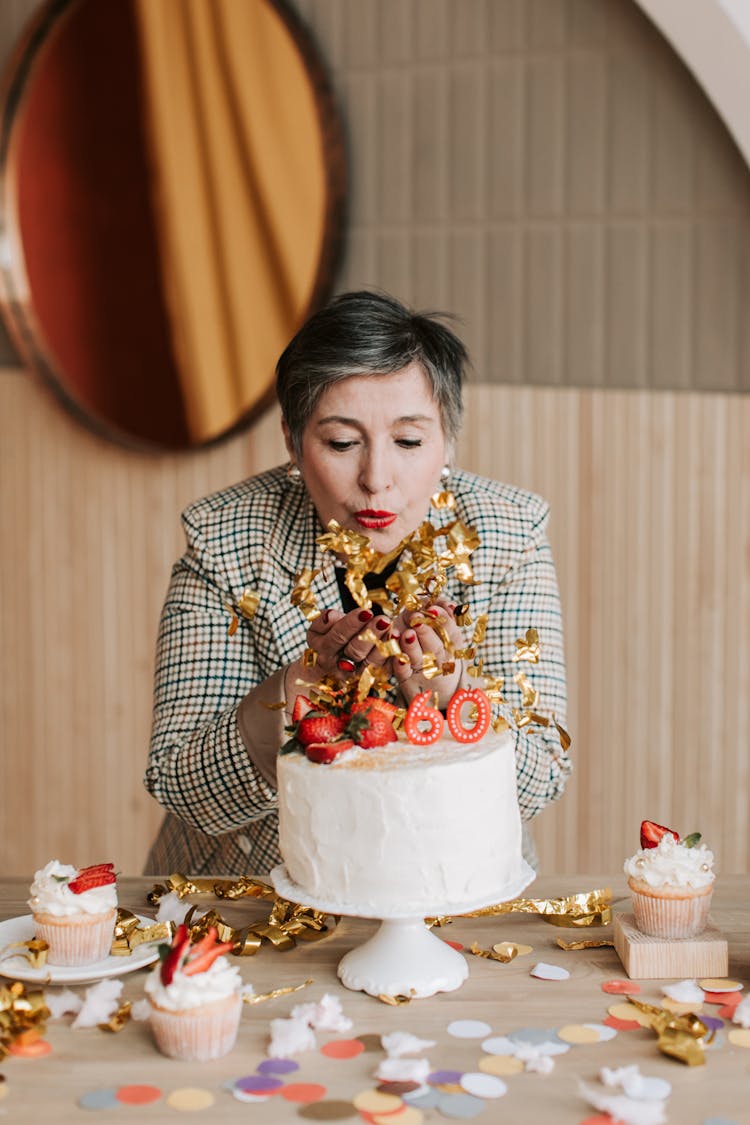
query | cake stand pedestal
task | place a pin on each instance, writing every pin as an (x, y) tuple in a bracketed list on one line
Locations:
[(403, 957)]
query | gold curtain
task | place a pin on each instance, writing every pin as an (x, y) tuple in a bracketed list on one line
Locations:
[(240, 193)]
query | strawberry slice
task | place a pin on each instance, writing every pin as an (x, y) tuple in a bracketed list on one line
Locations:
[(301, 706), (99, 875), (205, 959), (175, 954), (318, 726), (651, 833), (325, 752)]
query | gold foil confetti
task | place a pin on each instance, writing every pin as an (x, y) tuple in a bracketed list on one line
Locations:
[(590, 908), (34, 951), (248, 604), (505, 953), (395, 1001), (118, 1019), (21, 1012), (259, 997), (585, 943), (528, 648), (680, 1036), (302, 596), (287, 923), (130, 932)]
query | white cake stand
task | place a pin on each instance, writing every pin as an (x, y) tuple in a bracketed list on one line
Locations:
[(404, 957)]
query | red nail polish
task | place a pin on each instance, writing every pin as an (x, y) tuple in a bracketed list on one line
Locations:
[(395, 635), (381, 624), (345, 666), (433, 612), (410, 638), (364, 615)]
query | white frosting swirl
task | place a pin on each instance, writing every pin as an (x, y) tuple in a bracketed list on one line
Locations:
[(215, 983), (671, 864), (50, 893)]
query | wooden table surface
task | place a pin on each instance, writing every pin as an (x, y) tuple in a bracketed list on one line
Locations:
[(505, 996)]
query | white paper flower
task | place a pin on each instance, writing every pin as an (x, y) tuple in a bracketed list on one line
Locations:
[(634, 1084), (741, 1014), (629, 1111), (540, 1064), (684, 992), (403, 1070), (62, 1003), (290, 1037), (140, 1011), (399, 1043), (326, 1015), (99, 1005), (247, 990), (172, 908)]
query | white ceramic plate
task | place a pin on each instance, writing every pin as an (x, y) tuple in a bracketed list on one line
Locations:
[(22, 929)]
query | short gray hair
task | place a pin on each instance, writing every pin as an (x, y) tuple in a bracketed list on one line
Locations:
[(369, 333)]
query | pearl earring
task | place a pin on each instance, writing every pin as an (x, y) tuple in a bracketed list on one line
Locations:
[(293, 471), (445, 474)]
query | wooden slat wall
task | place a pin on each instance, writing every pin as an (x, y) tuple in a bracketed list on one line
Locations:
[(649, 487)]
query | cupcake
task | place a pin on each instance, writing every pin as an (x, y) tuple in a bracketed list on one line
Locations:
[(194, 998), (74, 911), (672, 883)]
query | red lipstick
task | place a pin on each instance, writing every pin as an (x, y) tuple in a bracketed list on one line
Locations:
[(374, 519)]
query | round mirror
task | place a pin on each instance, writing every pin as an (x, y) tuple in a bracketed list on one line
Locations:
[(171, 205)]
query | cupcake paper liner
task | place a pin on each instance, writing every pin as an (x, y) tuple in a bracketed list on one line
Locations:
[(81, 940), (671, 917), (197, 1034)]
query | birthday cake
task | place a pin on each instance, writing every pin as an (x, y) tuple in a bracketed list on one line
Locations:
[(402, 829)]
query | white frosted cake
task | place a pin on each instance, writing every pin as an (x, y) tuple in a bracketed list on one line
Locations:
[(403, 830)]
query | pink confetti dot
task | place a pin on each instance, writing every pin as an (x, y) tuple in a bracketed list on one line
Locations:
[(621, 987), (342, 1048), (621, 1025), (303, 1092)]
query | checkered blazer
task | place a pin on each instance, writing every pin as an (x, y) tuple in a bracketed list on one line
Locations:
[(259, 534)]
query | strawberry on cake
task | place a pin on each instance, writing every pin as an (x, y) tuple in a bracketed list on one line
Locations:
[(194, 998), (74, 911)]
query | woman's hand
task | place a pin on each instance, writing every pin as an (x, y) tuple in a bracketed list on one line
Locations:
[(337, 640), (418, 639)]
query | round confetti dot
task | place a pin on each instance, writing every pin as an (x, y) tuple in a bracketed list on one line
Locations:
[(407, 1115), (679, 1007), (342, 1048), (629, 1014), (543, 971), (727, 1012), (621, 987), (3, 1088), (740, 1037), (536, 1035), (327, 1111), (440, 1077), (714, 984), (99, 1099), (728, 999), (712, 1022), (258, 1084), (426, 1098), (277, 1066), (248, 1097), (36, 1049), (399, 1088), (373, 1101), (138, 1095), (468, 1029), (621, 1025), (600, 1119), (450, 1088), (462, 1106), (499, 1045), (190, 1098), (605, 1033), (457, 945), (578, 1033), (303, 1092), (483, 1085), (719, 1121), (501, 1065)]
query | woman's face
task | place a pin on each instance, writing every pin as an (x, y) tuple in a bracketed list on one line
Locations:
[(372, 453)]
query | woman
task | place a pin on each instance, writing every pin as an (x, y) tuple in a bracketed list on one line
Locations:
[(371, 404)]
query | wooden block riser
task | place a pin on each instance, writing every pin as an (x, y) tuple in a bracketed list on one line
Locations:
[(649, 958)]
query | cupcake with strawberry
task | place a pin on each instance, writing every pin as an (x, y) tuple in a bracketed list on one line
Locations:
[(74, 911), (194, 998), (671, 881)]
